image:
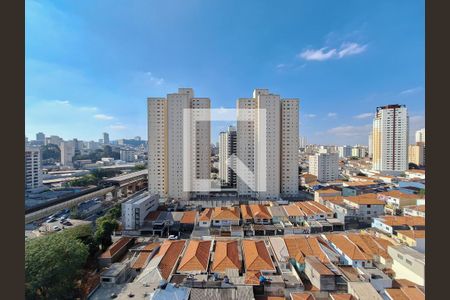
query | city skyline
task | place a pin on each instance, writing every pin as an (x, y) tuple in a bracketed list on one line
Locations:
[(83, 80)]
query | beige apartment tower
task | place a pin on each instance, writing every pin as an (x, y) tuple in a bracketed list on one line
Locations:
[(267, 145), (170, 174), (390, 139)]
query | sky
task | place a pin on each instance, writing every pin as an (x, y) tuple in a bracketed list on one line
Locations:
[(90, 65)]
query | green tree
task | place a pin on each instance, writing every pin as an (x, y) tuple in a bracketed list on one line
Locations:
[(85, 234), (115, 212), (105, 227), (53, 263), (139, 167)]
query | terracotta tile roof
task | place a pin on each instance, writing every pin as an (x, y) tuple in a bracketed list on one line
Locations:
[(252, 277), (302, 296), (311, 208), (151, 246), (196, 256), (403, 220), (256, 256), (114, 248), (189, 217), (309, 177), (412, 234), (365, 199), (328, 191), (152, 216), (398, 283), (345, 296), (260, 211), (370, 245), (170, 252), (360, 183), (405, 293), (348, 247), (293, 210), (246, 212), (334, 199), (226, 213), (206, 215), (299, 246), (317, 265), (420, 208), (400, 195), (141, 260), (226, 256)]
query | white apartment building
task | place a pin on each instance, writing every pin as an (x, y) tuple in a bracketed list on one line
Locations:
[(345, 151), (390, 139), (267, 145), (67, 153), (358, 151), (33, 168), (137, 208), (420, 136), (370, 150), (324, 165), (169, 174), (105, 138), (227, 156), (127, 155)]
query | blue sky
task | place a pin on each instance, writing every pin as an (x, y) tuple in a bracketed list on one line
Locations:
[(90, 65)]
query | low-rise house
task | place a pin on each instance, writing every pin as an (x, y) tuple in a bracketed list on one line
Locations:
[(342, 296), (246, 214), (300, 246), (356, 188), (294, 214), (374, 246), (367, 206), (116, 251), (390, 224), (260, 214), (204, 220), (257, 257), (162, 265), (313, 210), (188, 220), (144, 256), (420, 174), (376, 277), (363, 290), (226, 257), (195, 258), (414, 210), (301, 296), (117, 273), (350, 253), (396, 200), (326, 192), (225, 216), (319, 274), (408, 264), (278, 214), (405, 293), (413, 238)]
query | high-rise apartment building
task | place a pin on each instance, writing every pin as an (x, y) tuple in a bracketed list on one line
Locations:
[(173, 122), (370, 148), (67, 153), (420, 136), (33, 168), (106, 138), (345, 151), (267, 145), (40, 138), (416, 154), (303, 142), (359, 151), (390, 139), (324, 165), (227, 157)]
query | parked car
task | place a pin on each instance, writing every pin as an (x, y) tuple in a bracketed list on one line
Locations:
[(51, 220), (173, 237), (67, 223), (56, 228)]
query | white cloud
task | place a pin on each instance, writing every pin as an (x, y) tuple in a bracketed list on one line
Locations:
[(351, 49), (88, 108), (103, 117), (155, 80), (332, 114), (117, 127), (319, 55), (411, 91), (309, 115), (350, 131), (322, 54), (364, 116), (62, 102)]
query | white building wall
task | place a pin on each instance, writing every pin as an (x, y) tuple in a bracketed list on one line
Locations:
[(324, 165), (33, 168)]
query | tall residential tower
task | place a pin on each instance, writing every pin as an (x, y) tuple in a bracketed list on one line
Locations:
[(170, 175), (227, 157), (390, 139)]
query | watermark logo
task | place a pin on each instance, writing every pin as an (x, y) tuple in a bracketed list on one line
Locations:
[(249, 163)]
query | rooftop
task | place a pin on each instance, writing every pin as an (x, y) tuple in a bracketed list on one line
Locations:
[(256, 256), (189, 217), (115, 247), (226, 256), (412, 234), (365, 199), (403, 220), (196, 256)]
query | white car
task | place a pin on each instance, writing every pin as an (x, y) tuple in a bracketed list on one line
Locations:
[(173, 237)]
